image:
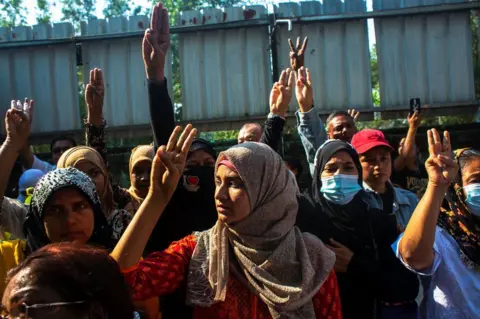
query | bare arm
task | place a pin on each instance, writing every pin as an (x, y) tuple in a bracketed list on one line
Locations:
[(167, 167), (416, 246), (26, 156)]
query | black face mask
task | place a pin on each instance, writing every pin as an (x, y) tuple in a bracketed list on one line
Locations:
[(199, 179)]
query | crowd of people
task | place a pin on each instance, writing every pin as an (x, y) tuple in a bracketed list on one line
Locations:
[(379, 234)]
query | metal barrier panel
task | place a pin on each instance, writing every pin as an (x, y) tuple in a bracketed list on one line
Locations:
[(425, 56), (225, 73), (338, 53), (46, 73), (126, 96)]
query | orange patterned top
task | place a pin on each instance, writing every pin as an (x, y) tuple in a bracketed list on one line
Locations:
[(163, 272)]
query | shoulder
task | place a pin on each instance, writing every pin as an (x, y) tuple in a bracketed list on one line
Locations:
[(405, 196)]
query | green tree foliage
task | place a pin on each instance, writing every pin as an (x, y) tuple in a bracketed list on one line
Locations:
[(13, 13), (116, 8), (43, 12), (76, 11)]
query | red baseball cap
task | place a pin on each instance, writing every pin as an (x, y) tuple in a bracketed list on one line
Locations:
[(367, 139)]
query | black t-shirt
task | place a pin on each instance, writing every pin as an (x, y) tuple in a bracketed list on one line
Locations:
[(387, 199), (414, 181)]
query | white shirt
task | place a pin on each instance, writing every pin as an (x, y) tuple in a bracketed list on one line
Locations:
[(452, 291)]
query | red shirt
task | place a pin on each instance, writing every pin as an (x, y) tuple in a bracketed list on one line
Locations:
[(163, 272)]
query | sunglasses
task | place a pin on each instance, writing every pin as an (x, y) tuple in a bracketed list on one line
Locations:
[(22, 310)]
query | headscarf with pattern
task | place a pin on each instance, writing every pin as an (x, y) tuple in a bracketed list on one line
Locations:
[(139, 154), (265, 251), (78, 154), (50, 183), (456, 219)]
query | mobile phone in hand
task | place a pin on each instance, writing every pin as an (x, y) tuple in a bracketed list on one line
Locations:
[(415, 105)]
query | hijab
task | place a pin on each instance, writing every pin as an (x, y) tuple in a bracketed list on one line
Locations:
[(50, 183), (139, 154), (350, 218), (28, 179), (265, 251), (456, 219), (77, 154)]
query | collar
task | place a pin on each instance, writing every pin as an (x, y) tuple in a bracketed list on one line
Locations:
[(398, 197)]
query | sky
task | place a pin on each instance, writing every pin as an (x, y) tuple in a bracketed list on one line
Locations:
[(100, 4)]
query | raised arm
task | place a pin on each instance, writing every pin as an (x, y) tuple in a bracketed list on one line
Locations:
[(156, 42), (94, 123), (17, 126), (309, 125), (167, 167), (407, 149), (416, 246), (280, 97)]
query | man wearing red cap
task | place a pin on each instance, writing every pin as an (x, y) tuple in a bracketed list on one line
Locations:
[(376, 159)]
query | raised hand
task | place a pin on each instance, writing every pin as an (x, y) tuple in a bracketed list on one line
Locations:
[(17, 125), (155, 44), (354, 114), (94, 96), (281, 93), (303, 90), (415, 120), (440, 166), (297, 53), (169, 163)]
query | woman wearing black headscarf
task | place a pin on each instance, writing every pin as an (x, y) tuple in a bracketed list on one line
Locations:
[(337, 212)]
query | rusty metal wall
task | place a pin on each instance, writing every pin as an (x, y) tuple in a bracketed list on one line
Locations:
[(224, 73), (46, 73), (426, 56)]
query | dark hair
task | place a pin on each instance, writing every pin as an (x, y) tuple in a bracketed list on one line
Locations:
[(62, 138), (295, 164), (80, 273), (337, 113), (466, 157)]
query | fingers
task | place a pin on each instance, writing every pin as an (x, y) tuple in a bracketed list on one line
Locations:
[(447, 147), (298, 43), (19, 113), (431, 144), (309, 79), (291, 78), (437, 142), (92, 77), (188, 142), (98, 77), (183, 137), (165, 22), (167, 161), (335, 243), (172, 142), (304, 45), (154, 18), (290, 44), (283, 78)]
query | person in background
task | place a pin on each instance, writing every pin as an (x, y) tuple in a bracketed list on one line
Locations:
[(250, 132), (295, 166), (442, 243), (408, 170), (57, 147), (229, 275), (369, 275), (139, 168), (376, 159), (28, 179), (67, 281)]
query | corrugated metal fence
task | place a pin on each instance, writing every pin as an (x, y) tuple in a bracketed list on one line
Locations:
[(227, 58)]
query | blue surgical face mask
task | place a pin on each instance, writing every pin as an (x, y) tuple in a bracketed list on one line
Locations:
[(340, 189), (473, 198)]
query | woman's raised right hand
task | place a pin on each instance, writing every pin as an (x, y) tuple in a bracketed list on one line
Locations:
[(169, 163)]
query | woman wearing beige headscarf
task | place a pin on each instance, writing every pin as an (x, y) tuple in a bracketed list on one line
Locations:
[(89, 161), (254, 263), (139, 169)]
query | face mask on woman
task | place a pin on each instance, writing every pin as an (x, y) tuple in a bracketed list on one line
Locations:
[(340, 189), (473, 198)]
